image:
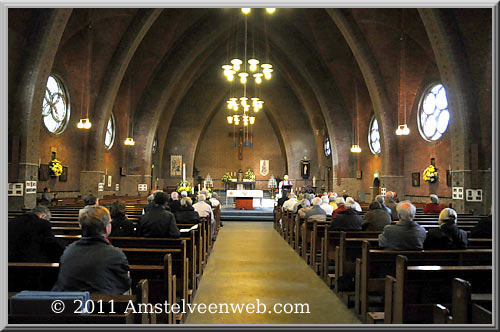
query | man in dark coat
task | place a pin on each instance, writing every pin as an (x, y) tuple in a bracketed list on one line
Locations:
[(448, 235), (92, 264), (121, 226), (483, 229), (347, 220), (377, 218), (158, 222), (186, 213), (173, 202), (406, 234), (31, 238)]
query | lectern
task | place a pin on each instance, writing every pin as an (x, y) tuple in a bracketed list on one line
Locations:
[(285, 189)]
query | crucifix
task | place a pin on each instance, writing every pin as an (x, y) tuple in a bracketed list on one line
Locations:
[(240, 141)]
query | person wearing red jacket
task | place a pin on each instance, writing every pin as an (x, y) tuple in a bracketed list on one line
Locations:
[(433, 207)]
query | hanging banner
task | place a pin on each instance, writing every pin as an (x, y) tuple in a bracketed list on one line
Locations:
[(175, 165), (264, 167)]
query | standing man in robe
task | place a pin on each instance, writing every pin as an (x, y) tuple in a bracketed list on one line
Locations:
[(284, 182)]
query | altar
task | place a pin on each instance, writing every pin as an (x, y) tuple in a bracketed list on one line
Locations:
[(242, 185), (244, 198)]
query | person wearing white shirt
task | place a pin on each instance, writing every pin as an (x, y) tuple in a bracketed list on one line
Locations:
[(215, 202), (290, 203), (325, 205), (205, 210), (354, 205)]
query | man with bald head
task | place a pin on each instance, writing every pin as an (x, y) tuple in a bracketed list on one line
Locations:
[(390, 202), (173, 202), (406, 234), (205, 210)]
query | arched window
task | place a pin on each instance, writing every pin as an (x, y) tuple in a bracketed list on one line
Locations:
[(327, 147), (155, 144), (374, 136), (433, 113), (109, 139), (55, 108)]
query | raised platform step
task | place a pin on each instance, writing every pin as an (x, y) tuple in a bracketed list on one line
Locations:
[(257, 214)]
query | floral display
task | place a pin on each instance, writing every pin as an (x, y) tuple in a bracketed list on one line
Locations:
[(249, 175), (184, 186), (430, 174), (226, 178), (56, 167)]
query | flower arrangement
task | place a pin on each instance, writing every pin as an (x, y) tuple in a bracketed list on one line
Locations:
[(249, 175), (430, 174), (184, 186), (226, 178), (56, 167)]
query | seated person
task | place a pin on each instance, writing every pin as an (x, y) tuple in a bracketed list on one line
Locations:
[(483, 228), (121, 225), (347, 220), (376, 219), (173, 202), (325, 205), (158, 222), (31, 239), (340, 206), (355, 205), (186, 213), (89, 200), (433, 207), (290, 203), (390, 202), (92, 264), (305, 205), (214, 200), (332, 199), (448, 235), (46, 197), (205, 210), (381, 200), (406, 234), (316, 212)]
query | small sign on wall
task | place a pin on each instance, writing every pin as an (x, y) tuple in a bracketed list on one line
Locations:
[(458, 193), (16, 189), (142, 187), (100, 187), (30, 187), (383, 191), (474, 195), (117, 187)]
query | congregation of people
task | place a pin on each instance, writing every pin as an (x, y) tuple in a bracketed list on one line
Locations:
[(92, 263), (394, 219)]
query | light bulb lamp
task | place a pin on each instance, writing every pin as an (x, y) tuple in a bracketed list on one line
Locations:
[(246, 11), (236, 64), (402, 130), (227, 69), (258, 78), (252, 120), (253, 64), (267, 73), (229, 119), (129, 141), (270, 10), (243, 78), (84, 124), (355, 148)]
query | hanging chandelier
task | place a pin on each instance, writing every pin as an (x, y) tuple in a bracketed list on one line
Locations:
[(242, 73), (355, 148)]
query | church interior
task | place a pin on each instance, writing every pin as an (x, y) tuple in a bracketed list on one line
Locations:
[(123, 103)]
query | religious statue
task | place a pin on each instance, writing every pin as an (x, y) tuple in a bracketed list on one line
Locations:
[(305, 168)]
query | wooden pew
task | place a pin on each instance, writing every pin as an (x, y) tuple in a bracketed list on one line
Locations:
[(375, 264), (416, 289), (466, 307)]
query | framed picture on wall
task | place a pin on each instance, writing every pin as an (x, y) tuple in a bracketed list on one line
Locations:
[(175, 165), (43, 173), (415, 179), (64, 175)]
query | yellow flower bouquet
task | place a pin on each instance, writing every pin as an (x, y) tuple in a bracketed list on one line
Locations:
[(55, 167), (184, 186), (431, 174)]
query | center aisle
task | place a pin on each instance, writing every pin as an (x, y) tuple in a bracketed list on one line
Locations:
[(250, 261)]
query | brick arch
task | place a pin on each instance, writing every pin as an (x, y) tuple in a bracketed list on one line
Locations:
[(375, 85)]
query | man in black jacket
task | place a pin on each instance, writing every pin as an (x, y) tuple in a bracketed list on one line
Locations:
[(173, 202), (347, 220), (448, 235), (92, 264), (186, 213), (31, 238), (158, 222)]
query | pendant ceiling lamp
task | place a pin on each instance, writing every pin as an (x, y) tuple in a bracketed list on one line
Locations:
[(403, 129)]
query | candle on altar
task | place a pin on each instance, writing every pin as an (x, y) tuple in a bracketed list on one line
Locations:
[(204, 184), (314, 181), (183, 172), (198, 187)]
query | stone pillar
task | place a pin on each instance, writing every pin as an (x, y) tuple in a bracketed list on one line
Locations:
[(25, 172), (462, 178), (89, 183)]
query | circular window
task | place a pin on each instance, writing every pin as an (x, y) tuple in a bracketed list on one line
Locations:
[(433, 114), (327, 147), (155, 144), (374, 136), (55, 108), (109, 139)]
